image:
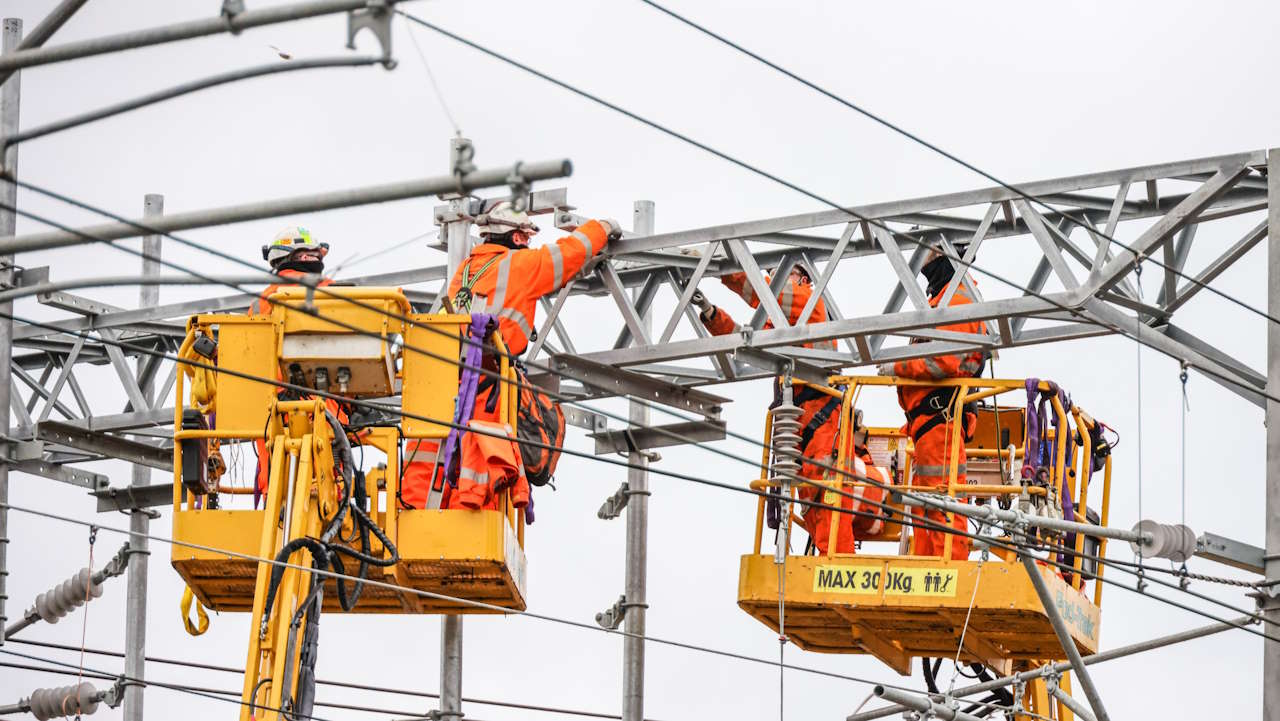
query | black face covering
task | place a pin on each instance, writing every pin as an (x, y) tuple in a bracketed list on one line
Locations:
[(310, 266), (938, 272)]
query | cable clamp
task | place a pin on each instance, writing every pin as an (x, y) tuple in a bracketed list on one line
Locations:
[(461, 154), (376, 16), (230, 9), (519, 188)]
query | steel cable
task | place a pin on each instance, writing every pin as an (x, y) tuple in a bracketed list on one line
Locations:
[(969, 166)]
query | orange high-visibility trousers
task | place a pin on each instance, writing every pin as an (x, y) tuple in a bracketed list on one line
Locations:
[(932, 466)]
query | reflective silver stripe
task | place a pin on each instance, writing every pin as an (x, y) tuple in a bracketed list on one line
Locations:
[(940, 471), (557, 264), (421, 456), (786, 300), (935, 370), (970, 366), (518, 318), (499, 297), (748, 293), (586, 242), (468, 474)]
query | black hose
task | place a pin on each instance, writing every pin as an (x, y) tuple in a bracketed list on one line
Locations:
[(930, 672)]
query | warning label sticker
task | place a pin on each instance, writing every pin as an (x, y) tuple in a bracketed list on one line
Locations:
[(847, 579), (894, 580), (920, 581)]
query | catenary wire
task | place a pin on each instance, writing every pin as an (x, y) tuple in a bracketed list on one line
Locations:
[(955, 258), (391, 586), (455, 599), (948, 155), (922, 522), (321, 290), (435, 86), (169, 686), (1139, 573), (322, 682), (161, 684)]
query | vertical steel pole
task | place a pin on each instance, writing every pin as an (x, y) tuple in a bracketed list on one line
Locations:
[(135, 613), (1064, 637), (1270, 603), (457, 235), (8, 227), (637, 530)]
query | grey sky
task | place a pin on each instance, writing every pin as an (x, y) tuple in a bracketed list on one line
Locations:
[(1024, 91)]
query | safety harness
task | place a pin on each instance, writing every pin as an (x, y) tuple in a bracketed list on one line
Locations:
[(462, 299), (937, 406)]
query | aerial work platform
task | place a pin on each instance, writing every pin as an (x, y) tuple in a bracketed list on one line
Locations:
[(376, 350), (900, 607), (473, 555), (887, 601)]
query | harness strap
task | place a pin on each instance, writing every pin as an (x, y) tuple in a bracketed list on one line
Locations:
[(936, 402), (819, 419), (467, 281)]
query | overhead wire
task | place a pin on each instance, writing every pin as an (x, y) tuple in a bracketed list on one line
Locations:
[(189, 663), (977, 269), (455, 361), (326, 573), (435, 86), (160, 684), (914, 522), (444, 358), (752, 168), (953, 257), (948, 155)]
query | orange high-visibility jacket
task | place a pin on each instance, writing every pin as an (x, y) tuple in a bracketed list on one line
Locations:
[(791, 299), (933, 450), (817, 521), (516, 279), (953, 365)]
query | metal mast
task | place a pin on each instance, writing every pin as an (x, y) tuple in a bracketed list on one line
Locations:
[(135, 619), (459, 245), (637, 524), (1270, 603), (8, 226)]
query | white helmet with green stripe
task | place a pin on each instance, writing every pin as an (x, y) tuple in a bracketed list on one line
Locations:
[(294, 244)]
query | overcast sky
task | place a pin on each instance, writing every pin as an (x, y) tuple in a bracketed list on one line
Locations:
[(1026, 92)]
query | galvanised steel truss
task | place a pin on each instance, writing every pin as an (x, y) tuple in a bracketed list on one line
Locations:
[(1096, 293)]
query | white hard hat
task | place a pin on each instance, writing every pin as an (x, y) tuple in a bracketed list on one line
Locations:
[(504, 218), (290, 240)]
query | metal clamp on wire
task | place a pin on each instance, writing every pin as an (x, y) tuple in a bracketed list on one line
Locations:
[(376, 15), (650, 456), (461, 154), (519, 188), (230, 9)]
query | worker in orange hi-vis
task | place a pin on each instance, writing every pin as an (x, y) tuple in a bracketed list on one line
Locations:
[(858, 489), (505, 277), (792, 298), (929, 410), (293, 255), (819, 411)]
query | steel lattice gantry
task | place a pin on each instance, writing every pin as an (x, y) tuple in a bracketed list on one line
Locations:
[(1082, 285)]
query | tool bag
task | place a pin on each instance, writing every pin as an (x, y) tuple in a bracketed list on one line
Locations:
[(540, 420)]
